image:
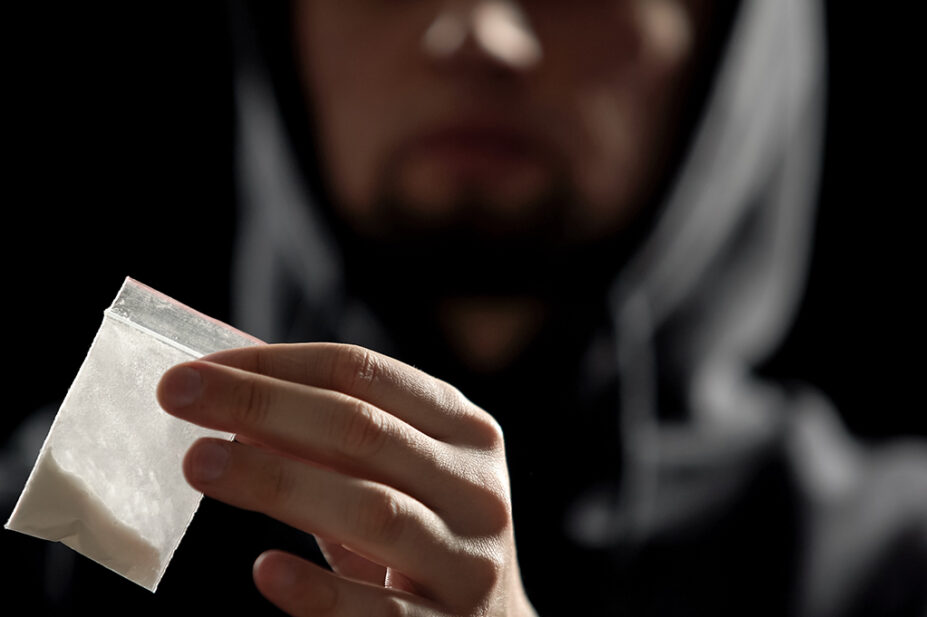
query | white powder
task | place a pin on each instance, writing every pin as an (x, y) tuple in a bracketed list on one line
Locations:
[(109, 481), (58, 505)]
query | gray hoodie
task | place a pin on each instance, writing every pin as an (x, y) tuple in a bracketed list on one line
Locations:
[(708, 295), (725, 493)]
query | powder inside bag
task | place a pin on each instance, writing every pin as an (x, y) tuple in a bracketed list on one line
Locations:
[(87, 525), (109, 481)]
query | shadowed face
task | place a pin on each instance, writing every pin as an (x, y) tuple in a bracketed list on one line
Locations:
[(540, 122)]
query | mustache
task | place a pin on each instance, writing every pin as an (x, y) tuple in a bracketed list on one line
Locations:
[(420, 264), (544, 216), (403, 261)]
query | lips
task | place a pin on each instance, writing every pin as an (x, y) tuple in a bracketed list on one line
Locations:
[(491, 139), (473, 146)]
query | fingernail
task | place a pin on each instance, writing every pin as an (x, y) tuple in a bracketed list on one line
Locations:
[(181, 387), (209, 460)]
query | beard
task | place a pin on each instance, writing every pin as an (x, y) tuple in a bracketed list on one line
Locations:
[(408, 270), (400, 259)]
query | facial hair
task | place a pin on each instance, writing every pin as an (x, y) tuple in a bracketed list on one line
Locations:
[(401, 258)]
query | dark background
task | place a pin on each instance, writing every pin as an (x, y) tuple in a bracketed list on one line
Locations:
[(117, 131)]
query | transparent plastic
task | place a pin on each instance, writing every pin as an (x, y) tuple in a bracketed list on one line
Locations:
[(108, 480)]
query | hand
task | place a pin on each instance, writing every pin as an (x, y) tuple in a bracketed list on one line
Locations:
[(400, 477)]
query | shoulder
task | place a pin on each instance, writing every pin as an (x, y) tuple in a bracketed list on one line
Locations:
[(864, 508)]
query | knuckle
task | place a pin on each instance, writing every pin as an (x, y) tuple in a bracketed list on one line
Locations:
[(381, 517), (487, 491), (251, 402), (262, 362), (278, 484), (484, 430), (451, 399), (497, 511), (354, 369), (489, 570), (362, 431), (484, 570), (487, 432)]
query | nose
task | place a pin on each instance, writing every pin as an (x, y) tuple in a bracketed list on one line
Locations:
[(497, 30)]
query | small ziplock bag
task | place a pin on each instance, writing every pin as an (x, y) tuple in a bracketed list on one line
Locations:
[(108, 480)]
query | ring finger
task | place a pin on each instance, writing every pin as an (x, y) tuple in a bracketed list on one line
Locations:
[(384, 525)]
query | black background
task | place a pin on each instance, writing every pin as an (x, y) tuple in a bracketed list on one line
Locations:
[(118, 134)]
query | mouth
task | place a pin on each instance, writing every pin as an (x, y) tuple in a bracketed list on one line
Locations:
[(500, 166), (478, 150)]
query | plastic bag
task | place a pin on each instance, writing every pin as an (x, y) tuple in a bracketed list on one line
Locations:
[(108, 480)]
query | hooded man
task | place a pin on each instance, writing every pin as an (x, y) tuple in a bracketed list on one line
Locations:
[(585, 224)]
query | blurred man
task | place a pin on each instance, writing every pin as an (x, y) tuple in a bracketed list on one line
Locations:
[(584, 223)]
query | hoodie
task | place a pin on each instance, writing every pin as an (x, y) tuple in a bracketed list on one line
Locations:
[(682, 483), (713, 491)]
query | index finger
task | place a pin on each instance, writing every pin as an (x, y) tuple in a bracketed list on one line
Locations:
[(430, 405)]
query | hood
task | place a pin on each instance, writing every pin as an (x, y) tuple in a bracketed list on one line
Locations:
[(714, 289), (709, 294)]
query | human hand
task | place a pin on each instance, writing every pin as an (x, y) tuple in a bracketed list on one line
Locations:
[(401, 479)]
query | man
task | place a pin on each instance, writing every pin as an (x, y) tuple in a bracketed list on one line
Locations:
[(584, 223), (552, 208)]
